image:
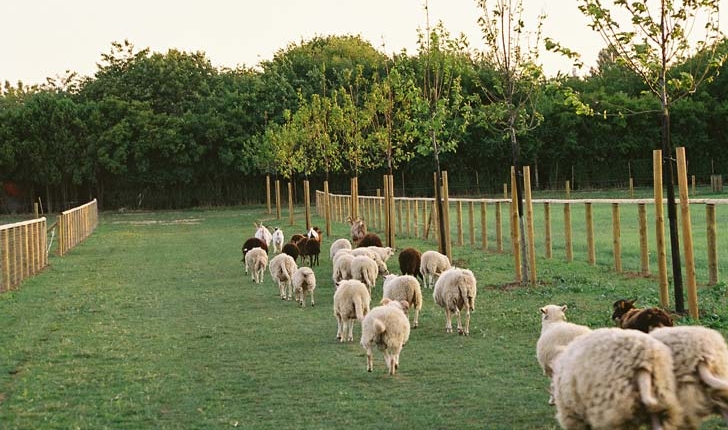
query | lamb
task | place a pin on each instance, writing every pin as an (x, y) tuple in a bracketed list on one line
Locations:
[(700, 365), (409, 262), (387, 327), (405, 288), (342, 267), (556, 333), (255, 260), (432, 264), (627, 316), (337, 245), (304, 281), (358, 229), (455, 290), (262, 233), (615, 379), (369, 239), (278, 240), (351, 301), (384, 252), (251, 243), (281, 269), (365, 270)]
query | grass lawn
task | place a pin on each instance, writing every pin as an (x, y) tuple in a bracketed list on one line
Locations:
[(152, 324)]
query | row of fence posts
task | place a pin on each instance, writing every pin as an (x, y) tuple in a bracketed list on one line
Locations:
[(24, 245)]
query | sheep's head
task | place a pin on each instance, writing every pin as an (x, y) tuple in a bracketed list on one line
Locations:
[(553, 313), (621, 307)]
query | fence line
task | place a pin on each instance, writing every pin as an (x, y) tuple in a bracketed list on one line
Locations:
[(75, 225), (612, 216), (22, 251)]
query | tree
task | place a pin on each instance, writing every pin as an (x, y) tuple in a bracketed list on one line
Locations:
[(518, 80), (653, 41)]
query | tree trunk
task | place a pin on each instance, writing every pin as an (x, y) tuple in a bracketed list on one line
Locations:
[(668, 180), (518, 198)]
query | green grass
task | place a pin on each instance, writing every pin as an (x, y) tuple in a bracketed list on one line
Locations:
[(151, 323)]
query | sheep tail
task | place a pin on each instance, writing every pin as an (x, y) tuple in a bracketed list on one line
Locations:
[(462, 287), (713, 381), (644, 384), (359, 309)]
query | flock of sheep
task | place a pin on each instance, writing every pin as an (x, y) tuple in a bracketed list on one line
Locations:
[(644, 372), (356, 270)]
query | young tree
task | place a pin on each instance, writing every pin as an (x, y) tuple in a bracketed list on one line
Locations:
[(654, 40), (513, 54)]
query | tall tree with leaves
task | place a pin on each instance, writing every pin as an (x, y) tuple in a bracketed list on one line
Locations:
[(513, 54), (653, 40)]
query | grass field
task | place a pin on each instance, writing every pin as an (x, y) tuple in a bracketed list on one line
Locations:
[(152, 324)]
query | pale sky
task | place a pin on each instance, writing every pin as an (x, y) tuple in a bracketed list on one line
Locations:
[(44, 38)]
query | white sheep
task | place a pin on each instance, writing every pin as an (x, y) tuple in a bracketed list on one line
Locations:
[(432, 264), (342, 267), (304, 281), (351, 302), (262, 233), (455, 290), (388, 328), (405, 288), (255, 261), (337, 245), (365, 270), (278, 240), (384, 252), (281, 269), (556, 333), (700, 364), (374, 255), (615, 379)]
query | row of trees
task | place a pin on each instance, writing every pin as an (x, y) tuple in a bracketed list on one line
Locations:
[(169, 130)]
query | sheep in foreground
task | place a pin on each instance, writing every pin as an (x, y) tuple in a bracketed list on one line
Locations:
[(405, 288), (255, 261), (351, 302), (281, 269), (304, 281), (387, 327), (409, 262), (342, 267), (432, 263), (615, 379), (337, 245), (278, 240), (262, 233), (556, 333), (700, 365), (364, 269), (626, 315), (455, 290), (251, 243)]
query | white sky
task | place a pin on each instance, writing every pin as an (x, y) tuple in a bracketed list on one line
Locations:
[(44, 38)]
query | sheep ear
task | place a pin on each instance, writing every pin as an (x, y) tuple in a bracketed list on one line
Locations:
[(631, 302), (384, 301), (564, 308), (543, 310)]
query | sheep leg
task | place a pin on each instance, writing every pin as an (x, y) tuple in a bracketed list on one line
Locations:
[(350, 333), (282, 289), (289, 287), (312, 302), (466, 328), (370, 364), (301, 298), (448, 321), (460, 324), (339, 328), (417, 316)]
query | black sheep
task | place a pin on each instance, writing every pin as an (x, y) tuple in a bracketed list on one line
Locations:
[(313, 249), (370, 239), (251, 243), (628, 316), (291, 249), (409, 262)]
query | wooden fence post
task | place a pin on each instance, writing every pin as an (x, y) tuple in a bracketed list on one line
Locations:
[(290, 203), (327, 208), (660, 228), (278, 199), (616, 241), (687, 232), (498, 228), (460, 222), (530, 230), (416, 212), (267, 193), (712, 244), (568, 245), (592, 258), (307, 203), (547, 228), (644, 248), (483, 225), (471, 219), (515, 233)]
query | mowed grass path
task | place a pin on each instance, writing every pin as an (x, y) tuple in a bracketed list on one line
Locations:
[(152, 324)]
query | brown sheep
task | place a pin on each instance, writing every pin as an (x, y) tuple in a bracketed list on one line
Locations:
[(409, 262), (628, 316), (369, 239), (251, 243), (292, 250)]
